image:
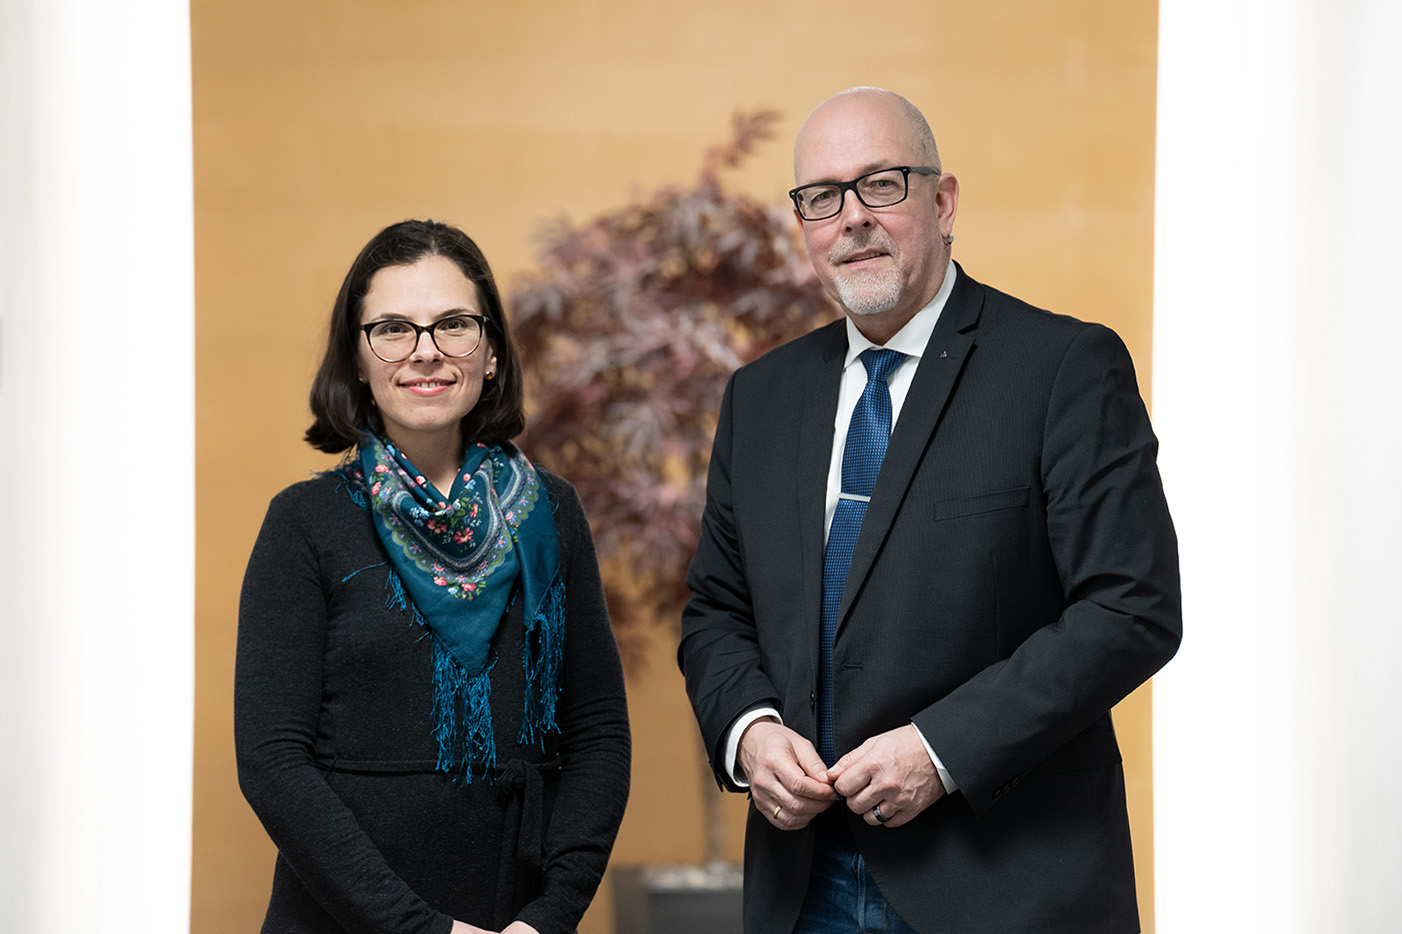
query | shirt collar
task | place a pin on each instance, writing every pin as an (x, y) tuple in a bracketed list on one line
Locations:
[(911, 339)]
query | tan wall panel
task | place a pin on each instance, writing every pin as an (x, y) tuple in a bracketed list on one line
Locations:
[(319, 122)]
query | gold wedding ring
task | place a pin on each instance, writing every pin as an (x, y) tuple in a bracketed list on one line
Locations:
[(777, 809)]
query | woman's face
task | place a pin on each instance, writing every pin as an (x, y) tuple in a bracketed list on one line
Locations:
[(423, 398)]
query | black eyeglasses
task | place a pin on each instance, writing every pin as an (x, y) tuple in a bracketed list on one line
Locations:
[(395, 339), (879, 189)]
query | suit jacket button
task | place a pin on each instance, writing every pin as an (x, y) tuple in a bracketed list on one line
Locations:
[(812, 701)]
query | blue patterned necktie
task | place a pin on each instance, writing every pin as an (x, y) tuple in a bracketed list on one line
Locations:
[(861, 462)]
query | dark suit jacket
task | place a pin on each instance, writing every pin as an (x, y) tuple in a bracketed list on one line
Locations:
[(1015, 577)]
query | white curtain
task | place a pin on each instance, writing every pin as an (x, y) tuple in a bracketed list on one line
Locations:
[(1277, 384), (96, 466)]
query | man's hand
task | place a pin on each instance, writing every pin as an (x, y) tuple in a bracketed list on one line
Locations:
[(788, 783), (892, 770)]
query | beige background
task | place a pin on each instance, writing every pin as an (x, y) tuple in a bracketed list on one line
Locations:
[(317, 123)]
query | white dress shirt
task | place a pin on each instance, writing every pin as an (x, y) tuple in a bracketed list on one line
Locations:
[(911, 341)]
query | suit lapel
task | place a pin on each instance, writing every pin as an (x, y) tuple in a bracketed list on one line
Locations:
[(814, 457), (944, 358)]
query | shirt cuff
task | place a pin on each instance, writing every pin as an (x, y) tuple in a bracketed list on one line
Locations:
[(950, 785), (737, 730)]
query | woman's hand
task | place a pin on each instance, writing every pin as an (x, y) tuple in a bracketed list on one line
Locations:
[(462, 927), (515, 927)]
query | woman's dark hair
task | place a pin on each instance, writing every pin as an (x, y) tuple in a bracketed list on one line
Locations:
[(342, 405)]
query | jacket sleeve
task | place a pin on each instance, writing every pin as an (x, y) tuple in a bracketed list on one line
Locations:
[(277, 704), (1115, 552), (595, 744), (719, 652)]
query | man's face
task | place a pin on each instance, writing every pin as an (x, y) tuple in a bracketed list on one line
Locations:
[(881, 264)]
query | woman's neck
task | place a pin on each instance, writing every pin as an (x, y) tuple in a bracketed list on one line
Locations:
[(437, 456)]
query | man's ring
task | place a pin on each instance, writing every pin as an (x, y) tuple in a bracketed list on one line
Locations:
[(777, 809), (876, 812)]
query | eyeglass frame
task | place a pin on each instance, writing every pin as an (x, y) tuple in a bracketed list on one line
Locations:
[(844, 187), (482, 322)]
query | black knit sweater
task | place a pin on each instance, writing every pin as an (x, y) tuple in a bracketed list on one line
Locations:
[(333, 727)]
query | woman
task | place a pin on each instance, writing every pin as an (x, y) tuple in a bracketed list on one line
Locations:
[(429, 707)]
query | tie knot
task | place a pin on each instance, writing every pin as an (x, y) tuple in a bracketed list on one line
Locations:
[(880, 363)]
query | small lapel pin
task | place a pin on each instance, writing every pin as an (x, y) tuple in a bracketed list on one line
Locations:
[(944, 354)]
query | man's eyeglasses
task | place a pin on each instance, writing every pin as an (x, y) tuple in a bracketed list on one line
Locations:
[(395, 339), (879, 189)]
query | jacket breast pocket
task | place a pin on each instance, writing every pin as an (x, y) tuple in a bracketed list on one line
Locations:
[(1014, 498)]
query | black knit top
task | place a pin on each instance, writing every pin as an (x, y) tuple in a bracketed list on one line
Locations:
[(333, 726)]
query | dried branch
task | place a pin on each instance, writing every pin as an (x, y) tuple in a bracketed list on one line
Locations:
[(631, 325)]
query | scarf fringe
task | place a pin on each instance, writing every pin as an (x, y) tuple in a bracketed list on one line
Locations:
[(351, 486), (395, 596), (541, 659), (462, 716)]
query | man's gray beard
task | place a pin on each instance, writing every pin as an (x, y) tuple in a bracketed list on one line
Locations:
[(870, 298)]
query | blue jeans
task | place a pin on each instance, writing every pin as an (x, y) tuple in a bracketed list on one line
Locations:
[(842, 896)]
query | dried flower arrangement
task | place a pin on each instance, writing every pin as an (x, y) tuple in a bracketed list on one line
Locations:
[(630, 327)]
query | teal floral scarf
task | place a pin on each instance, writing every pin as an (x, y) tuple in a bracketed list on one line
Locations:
[(460, 559)]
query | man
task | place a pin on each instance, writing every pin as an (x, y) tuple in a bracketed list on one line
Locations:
[(905, 641)]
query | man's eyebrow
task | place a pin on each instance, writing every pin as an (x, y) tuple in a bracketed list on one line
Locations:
[(864, 170)]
